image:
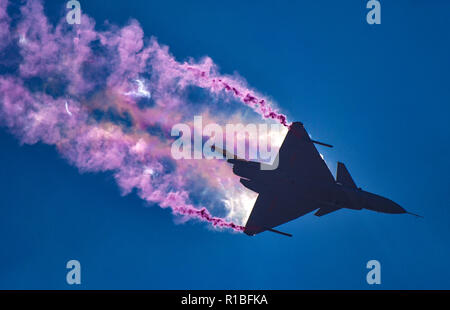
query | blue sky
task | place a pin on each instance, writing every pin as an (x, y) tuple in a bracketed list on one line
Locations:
[(378, 93)]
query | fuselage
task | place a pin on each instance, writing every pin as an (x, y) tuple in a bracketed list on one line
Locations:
[(357, 199), (342, 196), (314, 195)]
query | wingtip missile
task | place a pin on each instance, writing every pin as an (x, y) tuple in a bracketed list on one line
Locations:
[(321, 143)]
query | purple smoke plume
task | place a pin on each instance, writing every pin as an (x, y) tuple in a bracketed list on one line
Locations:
[(124, 93)]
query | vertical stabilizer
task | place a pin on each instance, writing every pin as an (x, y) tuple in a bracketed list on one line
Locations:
[(343, 177)]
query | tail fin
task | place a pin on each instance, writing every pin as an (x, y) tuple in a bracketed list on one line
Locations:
[(343, 177)]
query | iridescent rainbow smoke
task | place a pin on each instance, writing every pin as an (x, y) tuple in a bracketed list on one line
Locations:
[(125, 93)]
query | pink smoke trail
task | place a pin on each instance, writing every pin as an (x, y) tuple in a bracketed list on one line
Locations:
[(4, 25), (94, 71), (259, 105)]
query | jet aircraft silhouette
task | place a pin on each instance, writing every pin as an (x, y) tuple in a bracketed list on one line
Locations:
[(301, 184)]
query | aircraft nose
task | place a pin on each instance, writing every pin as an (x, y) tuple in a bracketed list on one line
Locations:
[(395, 207), (381, 204)]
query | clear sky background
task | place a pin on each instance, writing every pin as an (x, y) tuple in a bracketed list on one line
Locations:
[(379, 93)]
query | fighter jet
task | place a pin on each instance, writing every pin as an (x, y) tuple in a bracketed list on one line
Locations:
[(302, 183)]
